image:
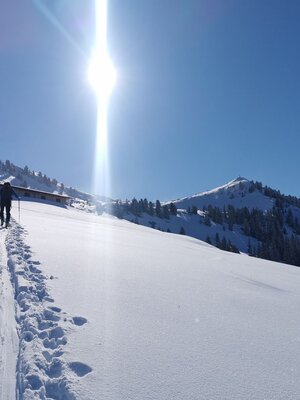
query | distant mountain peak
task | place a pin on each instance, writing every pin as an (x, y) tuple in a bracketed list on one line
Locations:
[(231, 184), (240, 179), (239, 193)]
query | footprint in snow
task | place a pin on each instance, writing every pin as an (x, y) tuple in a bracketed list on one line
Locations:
[(79, 321), (55, 309), (26, 255), (34, 381), (49, 356), (55, 368), (79, 368), (49, 315)]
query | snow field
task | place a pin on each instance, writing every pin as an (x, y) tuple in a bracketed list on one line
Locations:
[(169, 317), (113, 310)]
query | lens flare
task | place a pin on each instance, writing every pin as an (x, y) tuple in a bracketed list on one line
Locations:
[(102, 77)]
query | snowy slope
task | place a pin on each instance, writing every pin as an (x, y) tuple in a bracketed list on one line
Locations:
[(112, 310), (234, 193), (207, 216), (18, 176), (195, 227)]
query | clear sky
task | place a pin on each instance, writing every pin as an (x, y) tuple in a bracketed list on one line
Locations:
[(207, 90)]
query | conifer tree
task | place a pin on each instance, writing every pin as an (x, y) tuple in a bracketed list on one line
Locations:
[(165, 212), (158, 208), (290, 219), (217, 240), (146, 205), (134, 206), (208, 240), (194, 210), (173, 209), (182, 231), (207, 221), (151, 208)]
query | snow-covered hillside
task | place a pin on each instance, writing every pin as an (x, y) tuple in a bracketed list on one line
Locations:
[(27, 178), (235, 193), (194, 226), (107, 309), (240, 216)]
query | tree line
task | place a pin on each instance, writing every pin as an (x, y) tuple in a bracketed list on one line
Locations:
[(138, 207), (22, 173), (280, 199), (276, 231)]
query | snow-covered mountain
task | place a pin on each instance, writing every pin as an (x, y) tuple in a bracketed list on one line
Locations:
[(239, 193), (105, 309), (241, 215)]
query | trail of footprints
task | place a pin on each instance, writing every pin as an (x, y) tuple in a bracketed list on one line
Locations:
[(42, 372)]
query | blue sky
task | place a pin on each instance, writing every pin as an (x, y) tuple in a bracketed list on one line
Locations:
[(207, 91)]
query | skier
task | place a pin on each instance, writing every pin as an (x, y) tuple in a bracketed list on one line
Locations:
[(6, 194)]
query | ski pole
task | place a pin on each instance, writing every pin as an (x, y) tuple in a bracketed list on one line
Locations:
[(19, 211)]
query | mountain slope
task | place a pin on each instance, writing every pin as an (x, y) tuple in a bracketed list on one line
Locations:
[(113, 310), (239, 193), (24, 177), (239, 216)]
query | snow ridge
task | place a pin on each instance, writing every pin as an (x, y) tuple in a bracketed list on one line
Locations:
[(42, 371)]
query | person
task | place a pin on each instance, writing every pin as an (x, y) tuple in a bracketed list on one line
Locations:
[(6, 194)]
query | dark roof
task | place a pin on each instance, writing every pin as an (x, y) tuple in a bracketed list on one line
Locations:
[(41, 192)]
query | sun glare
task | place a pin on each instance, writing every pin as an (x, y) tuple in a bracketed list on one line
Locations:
[(102, 77), (101, 72)]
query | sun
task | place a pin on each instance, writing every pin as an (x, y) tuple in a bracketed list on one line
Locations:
[(102, 74)]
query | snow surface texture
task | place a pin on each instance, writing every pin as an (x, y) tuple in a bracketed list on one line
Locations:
[(112, 310), (8, 333), (41, 371), (193, 226)]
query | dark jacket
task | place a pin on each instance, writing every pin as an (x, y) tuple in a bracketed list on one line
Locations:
[(6, 194)]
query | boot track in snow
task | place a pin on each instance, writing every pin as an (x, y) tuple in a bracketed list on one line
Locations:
[(8, 333), (43, 328)]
